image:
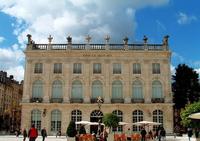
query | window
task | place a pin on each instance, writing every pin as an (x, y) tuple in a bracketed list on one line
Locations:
[(77, 89), (36, 118), (77, 68), (57, 68), (119, 114), (157, 89), (55, 121), (116, 68), (156, 68), (76, 115), (38, 68), (136, 68), (37, 89), (96, 68), (157, 117), (57, 89), (137, 90), (117, 90), (97, 89), (137, 117)]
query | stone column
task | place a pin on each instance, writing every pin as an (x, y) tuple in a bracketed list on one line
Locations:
[(147, 81), (126, 86), (47, 70), (27, 81), (108, 83), (86, 85), (67, 84), (66, 118)]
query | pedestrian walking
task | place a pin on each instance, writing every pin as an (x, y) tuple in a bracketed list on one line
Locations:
[(32, 133), (24, 134), (143, 134), (190, 133), (43, 133)]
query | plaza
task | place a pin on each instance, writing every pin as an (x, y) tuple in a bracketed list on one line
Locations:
[(63, 138)]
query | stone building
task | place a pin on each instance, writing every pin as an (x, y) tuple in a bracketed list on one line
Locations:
[(63, 81), (10, 98)]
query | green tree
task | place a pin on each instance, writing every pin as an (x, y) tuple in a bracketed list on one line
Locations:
[(110, 120), (71, 129), (82, 130), (190, 109), (185, 87)]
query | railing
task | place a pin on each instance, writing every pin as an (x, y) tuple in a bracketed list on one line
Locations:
[(138, 100), (56, 100), (94, 100), (36, 99), (157, 100), (117, 100), (98, 47), (76, 100)]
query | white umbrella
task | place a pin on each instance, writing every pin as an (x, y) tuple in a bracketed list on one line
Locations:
[(124, 123), (83, 122), (95, 123), (195, 116), (146, 123)]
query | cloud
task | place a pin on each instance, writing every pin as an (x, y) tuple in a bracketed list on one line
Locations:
[(1, 39), (69, 17), (183, 18)]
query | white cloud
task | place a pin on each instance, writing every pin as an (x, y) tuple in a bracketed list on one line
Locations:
[(173, 69), (69, 17), (183, 18), (17, 72), (1, 39)]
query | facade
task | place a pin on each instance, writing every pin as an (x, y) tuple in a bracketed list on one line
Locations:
[(10, 98), (62, 83)]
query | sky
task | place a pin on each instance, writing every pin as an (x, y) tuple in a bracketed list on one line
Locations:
[(180, 19)]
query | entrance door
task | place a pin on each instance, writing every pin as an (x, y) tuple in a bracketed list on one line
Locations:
[(95, 116)]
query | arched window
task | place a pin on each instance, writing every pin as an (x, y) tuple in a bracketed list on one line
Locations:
[(55, 120), (76, 115), (97, 89), (157, 117), (57, 89), (36, 118), (137, 117), (77, 89), (137, 92), (157, 89), (119, 114), (117, 90), (37, 89)]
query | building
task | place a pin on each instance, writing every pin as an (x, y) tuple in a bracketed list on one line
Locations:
[(63, 81), (10, 98)]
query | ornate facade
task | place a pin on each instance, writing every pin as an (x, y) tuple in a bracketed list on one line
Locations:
[(63, 81)]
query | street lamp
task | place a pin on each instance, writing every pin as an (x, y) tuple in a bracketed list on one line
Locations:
[(99, 101)]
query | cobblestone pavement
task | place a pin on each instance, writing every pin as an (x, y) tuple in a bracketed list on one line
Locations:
[(63, 138)]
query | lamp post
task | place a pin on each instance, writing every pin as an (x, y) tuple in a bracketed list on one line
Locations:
[(99, 101)]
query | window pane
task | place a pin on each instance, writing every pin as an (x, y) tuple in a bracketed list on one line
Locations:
[(77, 89), (36, 119), (76, 115), (137, 90), (97, 89), (157, 90), (97, 68), (137, 117), (136, 68), (156, 68), (116, 68), (57, 68), (55, 120), (37, 89), (157, 117), (38, 68), (57, 89), (119, 114), (117, 90), (77, 68)]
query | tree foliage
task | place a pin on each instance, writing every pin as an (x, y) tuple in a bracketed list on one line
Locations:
[(71, 129), (186, 87), (110, 120), (190, 109), (82, 130)]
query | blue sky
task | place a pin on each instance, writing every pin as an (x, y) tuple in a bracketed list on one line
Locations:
[(180, 19)]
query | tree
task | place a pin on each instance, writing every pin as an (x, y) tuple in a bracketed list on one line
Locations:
[(190, 109), (71, 129), (82, 130), (186, 87), (110, 120)]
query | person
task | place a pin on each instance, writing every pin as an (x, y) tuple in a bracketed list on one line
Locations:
[(24, 134), (104, 135), (189, 130), (196, 132), (32, 133), (143, 134), (43, 134), (163, 134), (128, 134), (150, 135), (58, 133)]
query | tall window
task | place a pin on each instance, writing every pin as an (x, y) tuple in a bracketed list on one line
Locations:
[(97, 89), (137, 117), (57, 68), (55, 120), (57, 89), (136, 68), (38, 68), (117, 68), (157, 117), (119, 114), (157, 89), (156, 68), (76, 115), (37, 89), (137, 90), (36, 118), (96, 68), (117, 90), (77, 68), (77, 90)]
